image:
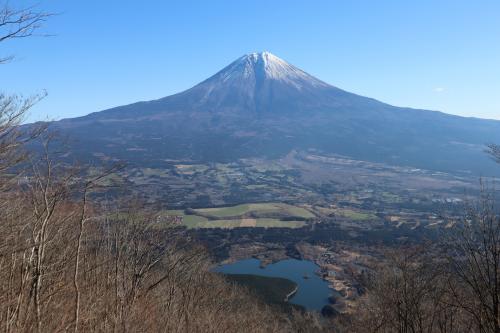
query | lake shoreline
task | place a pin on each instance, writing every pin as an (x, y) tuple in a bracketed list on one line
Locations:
[(311, 293)]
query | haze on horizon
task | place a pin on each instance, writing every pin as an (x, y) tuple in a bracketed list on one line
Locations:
[(438, 56)]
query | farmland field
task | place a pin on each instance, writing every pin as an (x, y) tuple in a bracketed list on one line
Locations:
[(280, 216), (238, 210), (194, 221)]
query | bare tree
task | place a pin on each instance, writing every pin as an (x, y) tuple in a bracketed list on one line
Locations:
[(475, 257), (15, 23), (13, 111), (18, 23), (408, 293)]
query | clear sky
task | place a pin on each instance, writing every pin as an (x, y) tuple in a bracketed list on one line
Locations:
[(433, 54)]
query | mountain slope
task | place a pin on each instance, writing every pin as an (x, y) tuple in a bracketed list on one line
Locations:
[(262, 106)]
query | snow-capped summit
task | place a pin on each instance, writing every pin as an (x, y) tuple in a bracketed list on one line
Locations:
[(261, 82), (266, 65)]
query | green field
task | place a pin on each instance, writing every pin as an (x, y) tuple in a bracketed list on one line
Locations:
[(226, 211), (195, 221), (278, 208), (281, 216), (274, 223)]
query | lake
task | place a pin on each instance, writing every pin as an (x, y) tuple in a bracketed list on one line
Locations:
[(313, 292)]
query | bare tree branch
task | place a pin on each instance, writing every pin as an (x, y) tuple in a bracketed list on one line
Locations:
[(18, 23)]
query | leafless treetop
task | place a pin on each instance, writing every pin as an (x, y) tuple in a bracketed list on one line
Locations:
[(18, 23)]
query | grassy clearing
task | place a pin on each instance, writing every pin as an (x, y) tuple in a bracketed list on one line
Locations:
[(225, 211), (299, 211), (248, 223), (222, 224), (240, 223), (194, 221), (275, 223), (190, 221), (234, 217), (278, 208), (347, 213)]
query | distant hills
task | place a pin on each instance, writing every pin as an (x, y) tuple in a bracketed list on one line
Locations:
[(262, 106)]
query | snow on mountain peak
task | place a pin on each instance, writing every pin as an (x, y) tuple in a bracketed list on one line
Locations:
[(258, 79), (267, 66)]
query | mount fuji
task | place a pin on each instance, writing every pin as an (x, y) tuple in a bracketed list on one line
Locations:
[(262, 106)]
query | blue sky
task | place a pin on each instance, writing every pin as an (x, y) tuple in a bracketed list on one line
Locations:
[(433, 54)]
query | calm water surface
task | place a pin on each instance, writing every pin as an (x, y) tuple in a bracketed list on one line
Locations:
[(312, 293)]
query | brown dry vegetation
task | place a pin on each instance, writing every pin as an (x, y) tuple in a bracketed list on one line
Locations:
[(453, 286), (68, 262)]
